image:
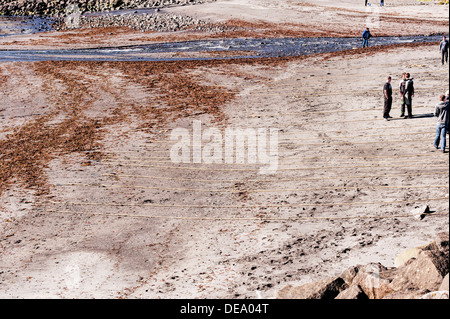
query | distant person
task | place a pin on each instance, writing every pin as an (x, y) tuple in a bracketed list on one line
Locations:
[(387, 93), (366, 36), (442, 114), (366, 2), (381, 3), (443, 47), (408, 94), (402, 92)]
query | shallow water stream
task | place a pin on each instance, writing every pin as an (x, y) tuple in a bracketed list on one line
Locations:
[(248, 48), (279, 47)]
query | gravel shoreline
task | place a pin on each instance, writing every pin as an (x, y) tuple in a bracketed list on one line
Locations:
[(58, 7), (142, 22)]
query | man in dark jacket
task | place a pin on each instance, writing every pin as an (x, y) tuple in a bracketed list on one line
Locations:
[(442, 114), (443, 47), (408, 94), (366, 36), (387, 92)]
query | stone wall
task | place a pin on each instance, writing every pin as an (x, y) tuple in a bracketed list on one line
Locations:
[(58, 7)]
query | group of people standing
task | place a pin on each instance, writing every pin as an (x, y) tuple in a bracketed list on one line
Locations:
[(406, 90)]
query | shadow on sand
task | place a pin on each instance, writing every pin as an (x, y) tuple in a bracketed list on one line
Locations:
[(418, 116)]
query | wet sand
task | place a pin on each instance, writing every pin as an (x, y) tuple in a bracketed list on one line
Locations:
[(91, 205)]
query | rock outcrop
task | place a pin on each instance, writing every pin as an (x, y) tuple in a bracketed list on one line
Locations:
[(421, 272)]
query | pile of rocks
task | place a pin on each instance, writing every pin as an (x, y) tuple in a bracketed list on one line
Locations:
[(58, 7), (141, 22), (419, 273)]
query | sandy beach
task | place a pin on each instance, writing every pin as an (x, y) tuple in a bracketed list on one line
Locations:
[(92, 204)]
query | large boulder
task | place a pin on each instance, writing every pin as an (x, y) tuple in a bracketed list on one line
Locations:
[(427, 271), (423, 267), (440, 243), (373, 279)]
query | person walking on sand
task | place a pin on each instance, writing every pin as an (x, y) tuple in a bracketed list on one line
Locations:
[(442, 114), (366, 36), (408, 94), (387, 93), (402, 91), (443, 47), (381, 3)]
